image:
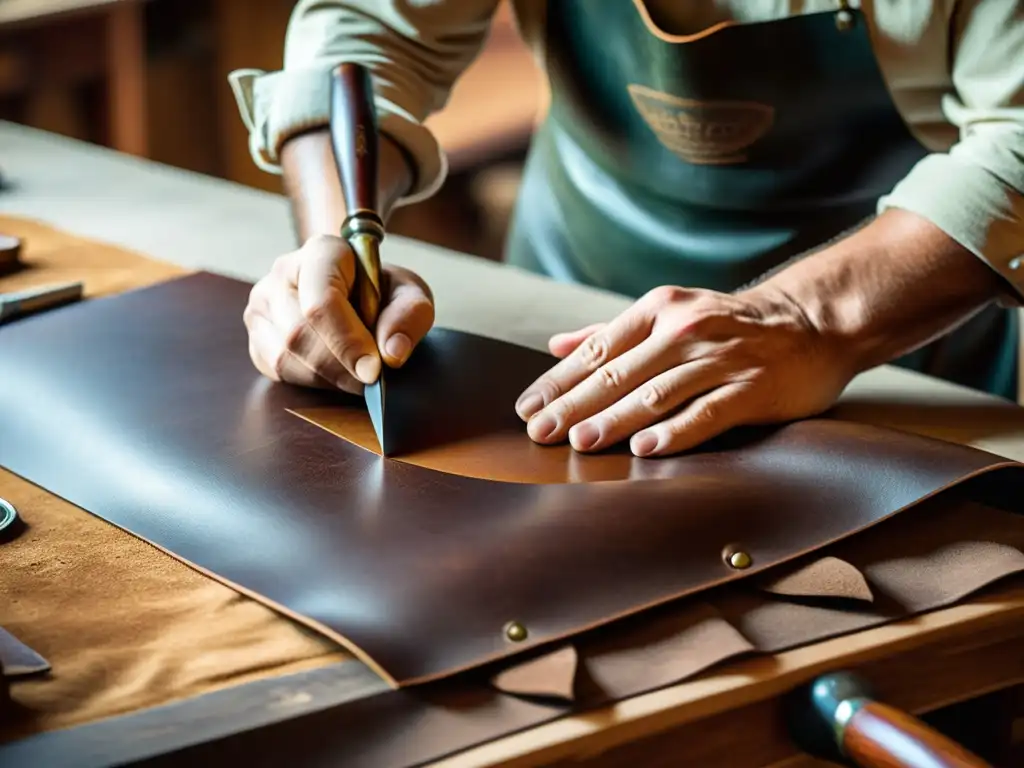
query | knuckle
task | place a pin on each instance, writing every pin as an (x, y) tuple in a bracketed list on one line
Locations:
[(293, 339), (547, 389), (706, 413), (594, 351), (563, 409), (278, 269), (664, 295), (610, 377), (319, 242), (655, 396), (279, 364), (315, 312), (689, 326)]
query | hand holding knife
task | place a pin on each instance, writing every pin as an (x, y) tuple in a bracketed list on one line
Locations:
[(354, 139)]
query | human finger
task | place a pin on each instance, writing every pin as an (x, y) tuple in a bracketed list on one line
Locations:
[(303, 342), (562, 344), (651, 401), (324, 279), (623, 333), (406, 317), (611, 383), (272, 358), (706, 417)]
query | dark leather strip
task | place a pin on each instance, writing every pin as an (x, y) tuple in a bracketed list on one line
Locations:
[(144, 409)]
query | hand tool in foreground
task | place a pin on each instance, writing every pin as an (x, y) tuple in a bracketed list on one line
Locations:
[(837, 718), (21, 303), (355, 141)]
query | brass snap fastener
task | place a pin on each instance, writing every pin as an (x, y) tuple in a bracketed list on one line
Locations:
[(737, 558), (844, 20), (740, 560), (515, 632)]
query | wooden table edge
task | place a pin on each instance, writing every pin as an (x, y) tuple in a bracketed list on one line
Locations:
[(751, 681)]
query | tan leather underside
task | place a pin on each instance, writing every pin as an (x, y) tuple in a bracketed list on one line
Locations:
[(123, 625), (503, 456)]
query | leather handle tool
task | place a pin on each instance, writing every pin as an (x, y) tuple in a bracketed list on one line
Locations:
[(355, 143)]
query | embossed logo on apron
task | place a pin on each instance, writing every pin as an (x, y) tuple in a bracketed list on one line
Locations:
[(703, 132)]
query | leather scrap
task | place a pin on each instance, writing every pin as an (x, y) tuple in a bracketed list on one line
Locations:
[(664, 648), (822, 577), (943, 551), (416, 571), (551, 675)]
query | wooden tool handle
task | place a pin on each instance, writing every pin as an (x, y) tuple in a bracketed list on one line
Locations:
[(354, 138), (837, 718), (880, 736)]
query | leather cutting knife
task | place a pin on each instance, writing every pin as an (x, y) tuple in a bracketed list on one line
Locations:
[(354, 140)]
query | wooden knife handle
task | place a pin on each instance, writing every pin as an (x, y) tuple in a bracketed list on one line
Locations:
[(880, 736), (354, 138)]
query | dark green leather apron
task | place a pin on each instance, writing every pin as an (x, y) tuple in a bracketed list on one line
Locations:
[(707, 161)]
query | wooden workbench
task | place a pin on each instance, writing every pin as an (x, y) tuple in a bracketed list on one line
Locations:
[(944, 657)]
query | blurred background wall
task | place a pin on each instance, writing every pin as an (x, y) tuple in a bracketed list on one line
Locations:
[(149, 77)]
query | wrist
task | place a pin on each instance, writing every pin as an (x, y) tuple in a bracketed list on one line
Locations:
[(886, 290), (312, 184)]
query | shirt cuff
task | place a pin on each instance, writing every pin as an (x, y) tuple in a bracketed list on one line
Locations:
[(971, 205), (278, 105)]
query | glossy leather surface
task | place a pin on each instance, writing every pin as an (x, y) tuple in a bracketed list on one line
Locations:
[(144, 409)]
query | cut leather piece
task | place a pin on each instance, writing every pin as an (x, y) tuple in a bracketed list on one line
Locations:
[(17, 659), (416, 571), (932, 556), (828, 577), (941, 553), (552, 675), (665, 648)]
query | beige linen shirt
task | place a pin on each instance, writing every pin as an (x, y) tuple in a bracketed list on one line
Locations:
[(954, 68)]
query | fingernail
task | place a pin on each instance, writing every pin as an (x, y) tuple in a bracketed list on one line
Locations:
[(367, 369), (584, 436), (644, 443), (541, 427), (529, 404), (398, 347)]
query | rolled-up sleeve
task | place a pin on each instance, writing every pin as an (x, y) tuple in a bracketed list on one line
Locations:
[(974, 191), (415, 51)]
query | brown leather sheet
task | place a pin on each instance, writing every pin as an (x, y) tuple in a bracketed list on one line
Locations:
[(124, 626), (904, 564), (417, 571)]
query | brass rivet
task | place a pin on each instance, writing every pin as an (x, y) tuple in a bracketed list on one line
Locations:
[(844, 20), (740, 560), (515, 632)]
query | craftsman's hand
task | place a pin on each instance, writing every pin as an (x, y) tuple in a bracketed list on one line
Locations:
[(682, 366), (303, 330)]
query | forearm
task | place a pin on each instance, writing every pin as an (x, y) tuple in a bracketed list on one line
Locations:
[(887, 289), (312, 185)]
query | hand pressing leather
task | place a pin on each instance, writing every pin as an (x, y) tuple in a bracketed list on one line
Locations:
[(681, 366), (303, 330)]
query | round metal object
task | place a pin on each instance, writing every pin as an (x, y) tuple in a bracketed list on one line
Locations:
[(844, 20), (10, 252), (8, 515), (740, 560), (515, 632)]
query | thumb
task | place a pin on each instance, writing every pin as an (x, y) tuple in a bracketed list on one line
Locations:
[(405, 318), (562, 344)]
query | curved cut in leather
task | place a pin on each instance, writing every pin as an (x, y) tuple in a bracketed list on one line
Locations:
[(145, 409)]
